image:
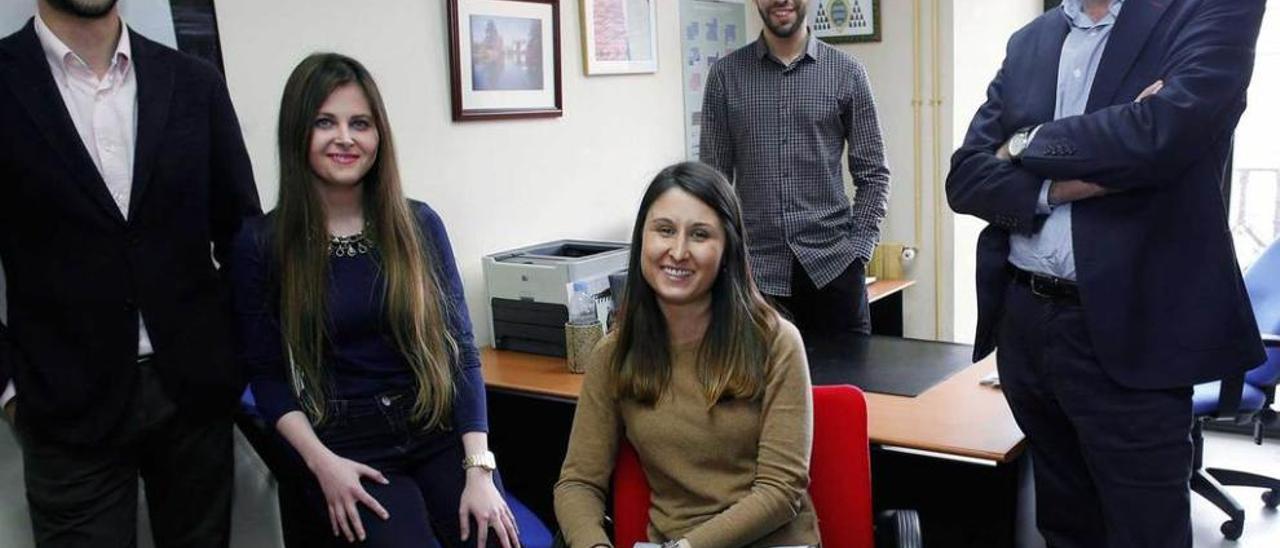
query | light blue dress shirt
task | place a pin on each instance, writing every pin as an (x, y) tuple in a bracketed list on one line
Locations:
[(1049, 251)]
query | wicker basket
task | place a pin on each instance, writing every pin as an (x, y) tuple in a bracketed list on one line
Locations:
[(579, 340)]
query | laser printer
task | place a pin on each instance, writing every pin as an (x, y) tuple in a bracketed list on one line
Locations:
[(529, 290)]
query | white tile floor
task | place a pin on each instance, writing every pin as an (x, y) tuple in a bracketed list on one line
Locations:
[(1261, 525)]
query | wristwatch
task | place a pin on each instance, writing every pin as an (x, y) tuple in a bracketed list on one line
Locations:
[(484, 460), (1020, 141)]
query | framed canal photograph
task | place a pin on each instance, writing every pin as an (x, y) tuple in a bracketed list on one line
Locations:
[(505, 59)]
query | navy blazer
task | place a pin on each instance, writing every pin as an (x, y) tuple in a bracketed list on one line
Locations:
[(1158, 277), (79, 272)]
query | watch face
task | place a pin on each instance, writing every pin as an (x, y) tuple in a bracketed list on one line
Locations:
[(1018, 143)]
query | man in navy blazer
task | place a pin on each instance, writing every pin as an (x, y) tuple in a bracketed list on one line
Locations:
[(1107, 276), (123, 175)]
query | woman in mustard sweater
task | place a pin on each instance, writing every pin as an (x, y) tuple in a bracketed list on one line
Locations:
[(705, 380)]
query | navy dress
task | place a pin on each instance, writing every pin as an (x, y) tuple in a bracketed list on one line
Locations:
[(372, 388)]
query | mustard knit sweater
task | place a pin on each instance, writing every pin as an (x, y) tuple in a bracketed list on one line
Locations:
[(735, 475)]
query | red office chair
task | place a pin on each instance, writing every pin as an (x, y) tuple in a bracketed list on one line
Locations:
[(839, 482)]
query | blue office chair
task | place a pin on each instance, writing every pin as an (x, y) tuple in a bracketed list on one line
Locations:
[(301, 528), (1256, 399)]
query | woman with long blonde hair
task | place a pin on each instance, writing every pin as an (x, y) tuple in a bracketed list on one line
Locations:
[(355, 331)]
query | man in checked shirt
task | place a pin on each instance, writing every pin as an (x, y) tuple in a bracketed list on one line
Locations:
[(776, 116)]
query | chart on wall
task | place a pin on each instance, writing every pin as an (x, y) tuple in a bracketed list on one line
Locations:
[(710, 29)]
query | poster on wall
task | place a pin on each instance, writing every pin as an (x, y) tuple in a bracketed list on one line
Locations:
[(840, 21), (190, 26), (619, 36), (710, 29)]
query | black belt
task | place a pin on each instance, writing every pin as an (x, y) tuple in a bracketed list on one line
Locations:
[(1047, 287)]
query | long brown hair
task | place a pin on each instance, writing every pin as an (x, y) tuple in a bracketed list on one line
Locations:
[(732, 355), (411, 297)]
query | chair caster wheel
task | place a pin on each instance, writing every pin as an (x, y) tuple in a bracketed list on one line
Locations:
[(1232, 529), (1271, 498)]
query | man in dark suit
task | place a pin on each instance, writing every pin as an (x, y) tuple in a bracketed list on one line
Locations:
[(1107, 277), (121, 168)]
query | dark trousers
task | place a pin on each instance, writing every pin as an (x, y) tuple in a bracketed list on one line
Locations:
[(424, 470), (838, 307), (1112, 464), (88, 496)]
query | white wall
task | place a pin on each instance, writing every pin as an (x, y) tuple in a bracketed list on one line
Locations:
[(497, 185), (981, 29), (503, 184)]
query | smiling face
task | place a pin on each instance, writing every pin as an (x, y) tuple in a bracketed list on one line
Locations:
[(783, 17), (682, 248), (344, 138)]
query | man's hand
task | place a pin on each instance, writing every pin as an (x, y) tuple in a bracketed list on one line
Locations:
[(1062, 192), (1152, 89), (1003, 152), (10, 408)]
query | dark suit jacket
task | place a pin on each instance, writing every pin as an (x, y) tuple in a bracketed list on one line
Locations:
[(1157, 271), (78, 271)]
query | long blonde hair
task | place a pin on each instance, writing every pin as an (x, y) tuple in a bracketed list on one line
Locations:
[(415, 310)]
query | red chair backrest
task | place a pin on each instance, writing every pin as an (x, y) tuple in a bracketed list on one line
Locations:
[(840, 467), (630, 498), (839, 475)]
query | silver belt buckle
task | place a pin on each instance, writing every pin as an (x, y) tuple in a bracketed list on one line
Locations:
[(1035, 287)]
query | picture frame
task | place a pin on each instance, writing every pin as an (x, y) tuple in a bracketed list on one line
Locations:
[(846, 21), (505, 59), (619, 36)]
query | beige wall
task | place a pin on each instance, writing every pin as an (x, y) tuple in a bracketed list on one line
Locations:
[(497, 185), (503, 184)]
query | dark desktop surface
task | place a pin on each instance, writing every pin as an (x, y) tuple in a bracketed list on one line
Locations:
[(885, 365)]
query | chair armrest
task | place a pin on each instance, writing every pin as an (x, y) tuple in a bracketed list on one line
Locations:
[(898, 529), (1271, 340)]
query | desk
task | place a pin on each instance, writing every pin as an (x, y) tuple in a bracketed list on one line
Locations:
[(958, 417), (954, 452), (885, 301)]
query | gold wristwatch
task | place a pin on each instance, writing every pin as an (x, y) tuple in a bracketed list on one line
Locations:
[(484, 460)]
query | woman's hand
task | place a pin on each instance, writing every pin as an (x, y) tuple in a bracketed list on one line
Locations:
[(340, 480), (482, 501)]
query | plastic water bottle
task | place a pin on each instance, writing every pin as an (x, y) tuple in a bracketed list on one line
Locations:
[(582, 306)]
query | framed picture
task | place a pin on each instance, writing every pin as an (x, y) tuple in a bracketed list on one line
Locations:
[(619, 36), (505, 57), (838, 21)]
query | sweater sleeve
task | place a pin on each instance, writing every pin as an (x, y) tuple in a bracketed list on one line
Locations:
[(588, 466), (782, 464), (469, 405), (261, 346)]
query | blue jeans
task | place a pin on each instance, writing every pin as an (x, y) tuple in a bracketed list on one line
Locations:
[(424, 470)]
